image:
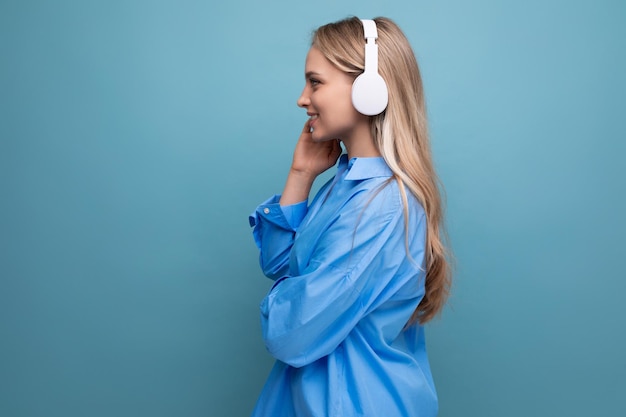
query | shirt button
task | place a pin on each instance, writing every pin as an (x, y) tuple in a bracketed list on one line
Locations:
[(266, 210)]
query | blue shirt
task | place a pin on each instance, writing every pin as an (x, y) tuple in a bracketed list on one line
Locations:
[(344, 290)]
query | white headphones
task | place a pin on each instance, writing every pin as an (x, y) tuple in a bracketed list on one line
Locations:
[(369, 91)]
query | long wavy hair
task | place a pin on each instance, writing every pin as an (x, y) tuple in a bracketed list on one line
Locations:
[(401, 135)]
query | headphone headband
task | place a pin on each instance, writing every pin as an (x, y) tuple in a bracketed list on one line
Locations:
[(371, 49)]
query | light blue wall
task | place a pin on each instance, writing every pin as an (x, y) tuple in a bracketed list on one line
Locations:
[(136, 136)]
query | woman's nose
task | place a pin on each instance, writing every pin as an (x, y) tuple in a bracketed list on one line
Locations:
[(304, 99)]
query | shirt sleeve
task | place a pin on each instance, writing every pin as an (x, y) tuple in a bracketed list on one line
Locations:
[(306, 316), (274, 230)]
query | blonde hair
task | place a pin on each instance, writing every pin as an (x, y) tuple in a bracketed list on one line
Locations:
[(401, 135)]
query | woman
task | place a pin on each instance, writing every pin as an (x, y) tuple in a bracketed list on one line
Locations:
[(363, 267)]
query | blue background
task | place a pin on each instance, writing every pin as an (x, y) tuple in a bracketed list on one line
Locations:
[(137, 136)]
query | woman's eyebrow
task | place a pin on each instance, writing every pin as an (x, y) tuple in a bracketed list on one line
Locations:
[(310, 73)]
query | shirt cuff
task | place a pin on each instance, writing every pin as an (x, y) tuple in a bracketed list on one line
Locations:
[(288, 217)]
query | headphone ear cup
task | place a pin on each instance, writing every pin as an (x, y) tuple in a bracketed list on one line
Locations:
[(369, 94)]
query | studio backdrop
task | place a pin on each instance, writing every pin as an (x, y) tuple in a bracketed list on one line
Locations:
[(137, 136)]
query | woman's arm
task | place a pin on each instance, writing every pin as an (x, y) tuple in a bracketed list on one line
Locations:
[(276, 220)]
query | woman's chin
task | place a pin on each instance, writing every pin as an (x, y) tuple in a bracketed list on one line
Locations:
[(319, 137)]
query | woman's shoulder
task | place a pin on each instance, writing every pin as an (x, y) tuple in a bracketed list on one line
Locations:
[(387, 198)]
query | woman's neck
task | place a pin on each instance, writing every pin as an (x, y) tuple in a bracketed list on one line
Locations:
[(361, 144)]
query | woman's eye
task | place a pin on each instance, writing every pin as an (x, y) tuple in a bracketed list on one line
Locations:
[(313, 82)]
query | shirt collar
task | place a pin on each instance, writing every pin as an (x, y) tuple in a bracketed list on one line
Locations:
[(364, 168)]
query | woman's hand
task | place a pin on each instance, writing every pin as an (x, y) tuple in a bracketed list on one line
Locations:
[(313, 158), (309, 160)]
